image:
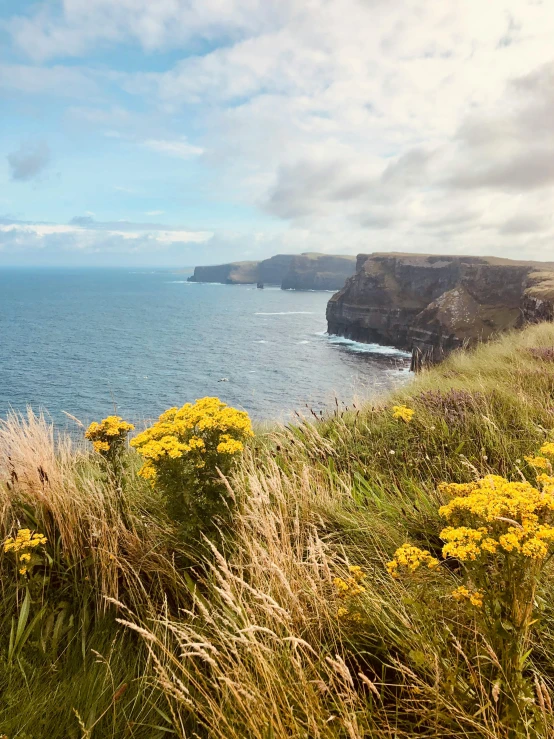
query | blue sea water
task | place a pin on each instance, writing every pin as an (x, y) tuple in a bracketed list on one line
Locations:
[(85, 342)]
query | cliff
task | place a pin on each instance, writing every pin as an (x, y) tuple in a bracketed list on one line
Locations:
[(434, 304), (303, 272), (234, 273), (269, 271), (318, 272)]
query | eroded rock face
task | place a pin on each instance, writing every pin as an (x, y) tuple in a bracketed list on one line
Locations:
[(434, 304), (318, 272), (273, 270)]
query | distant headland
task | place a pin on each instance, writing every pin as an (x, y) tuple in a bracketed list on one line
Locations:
[(308, 271)]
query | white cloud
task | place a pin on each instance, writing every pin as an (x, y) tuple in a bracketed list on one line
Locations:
[(177, 148), (85, 233), (54, 30), (72, 82), (357, 124)]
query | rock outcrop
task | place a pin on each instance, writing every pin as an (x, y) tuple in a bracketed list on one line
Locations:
[(301, 272), (434, 304), (318, 272)]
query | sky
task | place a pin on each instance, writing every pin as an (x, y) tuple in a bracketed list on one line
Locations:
[(184, 132)]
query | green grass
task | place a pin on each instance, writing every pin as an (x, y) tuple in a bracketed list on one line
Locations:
[(124, 639)]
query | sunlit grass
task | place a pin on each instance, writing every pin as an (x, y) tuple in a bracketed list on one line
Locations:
[(258, 640)]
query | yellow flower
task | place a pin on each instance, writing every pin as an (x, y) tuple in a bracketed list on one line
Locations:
[(411, 558), (351, 587), (402, 412), (476, 599), (539, 463), (548, 449), (494, 514), (109, 435), (24, 540), (462, 593), (191, 434)]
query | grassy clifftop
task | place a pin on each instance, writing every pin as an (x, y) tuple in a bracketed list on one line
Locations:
[(290, 625)]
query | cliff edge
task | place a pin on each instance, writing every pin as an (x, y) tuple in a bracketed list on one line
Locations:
[(433, 304)]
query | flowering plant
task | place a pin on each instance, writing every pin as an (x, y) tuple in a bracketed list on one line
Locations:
[(185, 448), (403, 412), (24, 547), (500, 533), (108, 437)]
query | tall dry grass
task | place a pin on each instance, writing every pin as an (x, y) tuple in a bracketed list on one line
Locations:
[(264, 652), (107, 536)]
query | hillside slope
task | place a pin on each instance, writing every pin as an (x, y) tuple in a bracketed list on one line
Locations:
[(293, 626)]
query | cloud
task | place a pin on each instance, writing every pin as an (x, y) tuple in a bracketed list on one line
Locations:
[(73, 82), (84, 233), (178, 148), (523, 224), (29, 160), (76, 26), (349, 124)]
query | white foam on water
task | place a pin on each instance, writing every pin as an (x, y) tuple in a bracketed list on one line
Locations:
[(261, 341), (359, 346), (288, 313), (302, 342), (178, 282)]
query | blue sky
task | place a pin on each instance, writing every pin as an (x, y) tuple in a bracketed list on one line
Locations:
[(183, 132)]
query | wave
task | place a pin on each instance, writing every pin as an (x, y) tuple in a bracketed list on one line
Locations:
[(359, 346), (288, 313)]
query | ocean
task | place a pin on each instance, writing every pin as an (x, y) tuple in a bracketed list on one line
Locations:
[(88, 342)]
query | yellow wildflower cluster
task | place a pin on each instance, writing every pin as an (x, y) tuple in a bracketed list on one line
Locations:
[(193, 431), (495, 513), (541, 462), (348, 589), (24, 543), (351, 587), (108, 434), (475, 597), (411, 558), (402, 412)]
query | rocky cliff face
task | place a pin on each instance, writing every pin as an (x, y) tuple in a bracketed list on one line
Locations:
[(273, 270), (303, 272), (234, 273), (318, 272), (434, 304)]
